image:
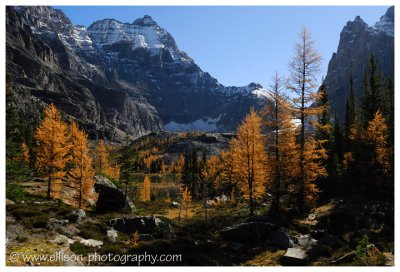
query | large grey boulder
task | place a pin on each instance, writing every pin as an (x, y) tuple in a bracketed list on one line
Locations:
[(281, 240), (62, 240), (90, 242), (55, 223), (80, 214), (295, 257), (110, 197), (112, 235)]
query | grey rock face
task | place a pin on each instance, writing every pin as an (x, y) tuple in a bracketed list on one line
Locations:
[(357, 42), (46, 64)]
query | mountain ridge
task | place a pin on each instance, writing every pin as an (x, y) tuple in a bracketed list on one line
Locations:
[(143, 60)]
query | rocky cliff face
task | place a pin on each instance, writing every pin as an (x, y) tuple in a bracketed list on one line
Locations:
[(119, 77), (43, 67), (357, 42)]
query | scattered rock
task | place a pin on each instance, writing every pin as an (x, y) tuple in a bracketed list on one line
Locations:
[(62, 240), (91, 242), (112, 235), (250, 232), (146, 237), (306, 241), (210, 203), (55, 223), (295, 257), (69, 230), (9, 202), (311, 216), (143, 224), (281, 240), (80, 214)]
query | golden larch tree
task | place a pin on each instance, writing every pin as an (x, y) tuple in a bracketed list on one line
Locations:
[(163, 168), (314, 158), (52, 150), (304, 68), (146, 189), (186, 199), (250, 158), (102, 162), (213, 171), (228, 173), (378, 137), (80, 163), (179, 164), (171, 169), (116, 173), (283, 160)]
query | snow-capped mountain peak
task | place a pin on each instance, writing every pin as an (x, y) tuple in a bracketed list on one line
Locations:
[(386, 23), (145, 21), (142, 33)]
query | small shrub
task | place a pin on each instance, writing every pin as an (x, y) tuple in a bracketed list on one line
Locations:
[(14, 192), (35, 222), (80, 249), (39, 222), (367, 254), (25, 212), (90, 230)]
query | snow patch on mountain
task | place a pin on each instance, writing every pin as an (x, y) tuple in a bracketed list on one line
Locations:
[(252, 89), (204, 124)]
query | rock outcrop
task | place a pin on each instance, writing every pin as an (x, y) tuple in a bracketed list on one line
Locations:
[(110, 198), (357, 42)]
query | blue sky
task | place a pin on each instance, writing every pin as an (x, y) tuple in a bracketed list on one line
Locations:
[(239, 45)]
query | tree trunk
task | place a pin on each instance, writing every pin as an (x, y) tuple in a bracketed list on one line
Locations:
[(302, 138), (49, 187)]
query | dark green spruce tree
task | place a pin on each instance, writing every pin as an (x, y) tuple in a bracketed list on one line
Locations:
[(17, 131), (350, 116), (127, 163), (372, 87)]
